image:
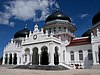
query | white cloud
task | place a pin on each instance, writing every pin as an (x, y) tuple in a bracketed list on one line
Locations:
[(12, 24), (83, 15), (26, 9)]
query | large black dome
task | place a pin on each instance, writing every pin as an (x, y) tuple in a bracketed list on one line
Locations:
[(21, 33), (57, 15), (96, 18)]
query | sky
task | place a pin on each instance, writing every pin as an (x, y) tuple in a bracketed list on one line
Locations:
[(14, 14)]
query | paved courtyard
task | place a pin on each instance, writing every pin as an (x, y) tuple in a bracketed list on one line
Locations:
[(5, 71)]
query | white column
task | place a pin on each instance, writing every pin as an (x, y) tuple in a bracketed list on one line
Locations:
[(51, 49), (17, 59), (12, 58), (60, 55), (28, 59), (8, 59), (94, 54), (39, 58), (31, 59), (3, 59)]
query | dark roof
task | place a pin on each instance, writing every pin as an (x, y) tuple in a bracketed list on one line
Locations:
[(96, 18), (81, 41), (87, 33), (21, 33), (57, 15)]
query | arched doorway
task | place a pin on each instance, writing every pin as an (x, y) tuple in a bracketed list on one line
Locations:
[(44, 56), (6, 58), (10, 58), (15, 59), (99, 55), (35, 56), (27, 56), (56, 56)]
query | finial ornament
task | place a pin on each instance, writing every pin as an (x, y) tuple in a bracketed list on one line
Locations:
[(89, 27), (25, 25), (57, 9)]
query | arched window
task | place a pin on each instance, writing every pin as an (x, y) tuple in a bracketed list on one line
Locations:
[(80, 55), (49, 30), (90, 54), (72, 56), (64, 29), (59, 28)]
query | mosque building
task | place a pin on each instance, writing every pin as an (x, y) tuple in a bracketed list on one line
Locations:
[(55, 44)]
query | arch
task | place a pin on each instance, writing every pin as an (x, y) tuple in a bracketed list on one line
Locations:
[(15, 59), (35, 56), (27, 52), (44, 56), (10, 58), (72, 55), (90, 57), (99, 54), (80, 55), (6, 58), (56, 56)]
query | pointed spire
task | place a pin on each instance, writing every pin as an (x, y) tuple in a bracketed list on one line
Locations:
[(36, 28)]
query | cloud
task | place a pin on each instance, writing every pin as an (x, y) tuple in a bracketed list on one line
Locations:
[(12, 24), (27, 9), (83, 15)]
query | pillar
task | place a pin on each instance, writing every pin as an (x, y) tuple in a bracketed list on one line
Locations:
[(94, 53), (31, 59), (39, 58), (12, 58), (3, 59), (51, 49), (60, 55), (8, 59)]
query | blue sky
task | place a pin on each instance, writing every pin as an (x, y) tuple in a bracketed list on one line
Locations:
[(14, 14)]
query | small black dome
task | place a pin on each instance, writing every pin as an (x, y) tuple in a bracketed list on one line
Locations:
[(57, 15), (96, 18), (87, 33), (21, 33)]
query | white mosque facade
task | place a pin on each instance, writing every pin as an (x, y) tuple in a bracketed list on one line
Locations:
[(55, 44)]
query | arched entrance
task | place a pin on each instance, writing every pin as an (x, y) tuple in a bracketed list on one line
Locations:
[(27, 56), (6, 58), (35, 56), (99, 55), (15, 59), (10, 58), (44, 56), (56, 56)]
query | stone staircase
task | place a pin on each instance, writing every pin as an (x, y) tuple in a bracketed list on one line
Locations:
[(41, 67), (96, 66), (8, 66)]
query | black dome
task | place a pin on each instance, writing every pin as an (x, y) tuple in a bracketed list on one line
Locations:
[(22, 33), (87, 33), (96, 18), (57, 15)]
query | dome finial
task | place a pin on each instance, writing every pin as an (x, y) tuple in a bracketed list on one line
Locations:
[(26, 25), (89, 27), (57, 9)]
